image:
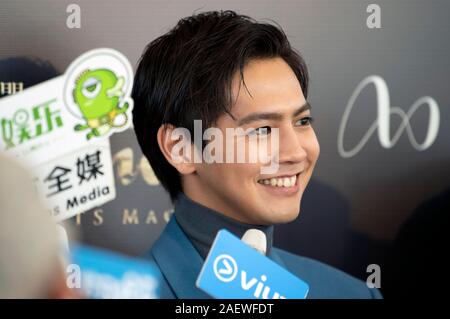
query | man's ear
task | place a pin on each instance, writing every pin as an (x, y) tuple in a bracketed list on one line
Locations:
[(176, 146)]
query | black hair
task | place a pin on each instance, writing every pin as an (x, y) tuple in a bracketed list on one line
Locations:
[(186, 75)]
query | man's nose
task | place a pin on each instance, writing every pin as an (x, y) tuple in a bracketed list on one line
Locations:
[(291, 148)]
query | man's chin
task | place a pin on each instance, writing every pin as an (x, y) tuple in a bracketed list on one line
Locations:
[(283, 217)]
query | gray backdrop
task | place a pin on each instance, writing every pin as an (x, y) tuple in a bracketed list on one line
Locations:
[(354, 206)]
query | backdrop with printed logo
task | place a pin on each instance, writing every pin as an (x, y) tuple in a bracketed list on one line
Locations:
[(379, 96)]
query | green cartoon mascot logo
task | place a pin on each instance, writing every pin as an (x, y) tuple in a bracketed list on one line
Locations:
[(98, 94)]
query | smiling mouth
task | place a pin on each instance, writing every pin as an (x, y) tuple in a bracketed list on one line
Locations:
[(286, 181)]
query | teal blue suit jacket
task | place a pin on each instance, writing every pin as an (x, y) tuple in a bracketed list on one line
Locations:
[(180, 264)]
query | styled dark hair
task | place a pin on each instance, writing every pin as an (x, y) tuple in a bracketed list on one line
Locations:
[(186, 75)]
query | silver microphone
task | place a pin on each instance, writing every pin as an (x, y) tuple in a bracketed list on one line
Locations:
[(256, 239)]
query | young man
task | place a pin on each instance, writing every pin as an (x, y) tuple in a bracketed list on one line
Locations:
[(230, 72)]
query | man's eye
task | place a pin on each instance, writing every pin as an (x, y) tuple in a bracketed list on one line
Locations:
[(305, 121), (264, 130)]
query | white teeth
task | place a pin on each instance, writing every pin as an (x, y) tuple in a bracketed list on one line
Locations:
[(293, 180), (280, 182), (273, 182)]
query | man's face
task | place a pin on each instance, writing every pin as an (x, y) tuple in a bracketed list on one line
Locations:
[(241, 190)]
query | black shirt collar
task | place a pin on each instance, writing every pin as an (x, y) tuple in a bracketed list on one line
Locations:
[(201, 225)]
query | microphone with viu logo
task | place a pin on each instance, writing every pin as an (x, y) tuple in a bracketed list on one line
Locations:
[(238, 268)]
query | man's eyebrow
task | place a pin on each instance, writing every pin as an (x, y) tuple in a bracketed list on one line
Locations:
[(305, 107), (271, 115)]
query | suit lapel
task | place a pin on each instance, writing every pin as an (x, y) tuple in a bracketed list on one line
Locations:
[(179, 262), (276, 257)]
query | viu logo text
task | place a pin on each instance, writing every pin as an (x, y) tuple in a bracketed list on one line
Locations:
[(226, 270)]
